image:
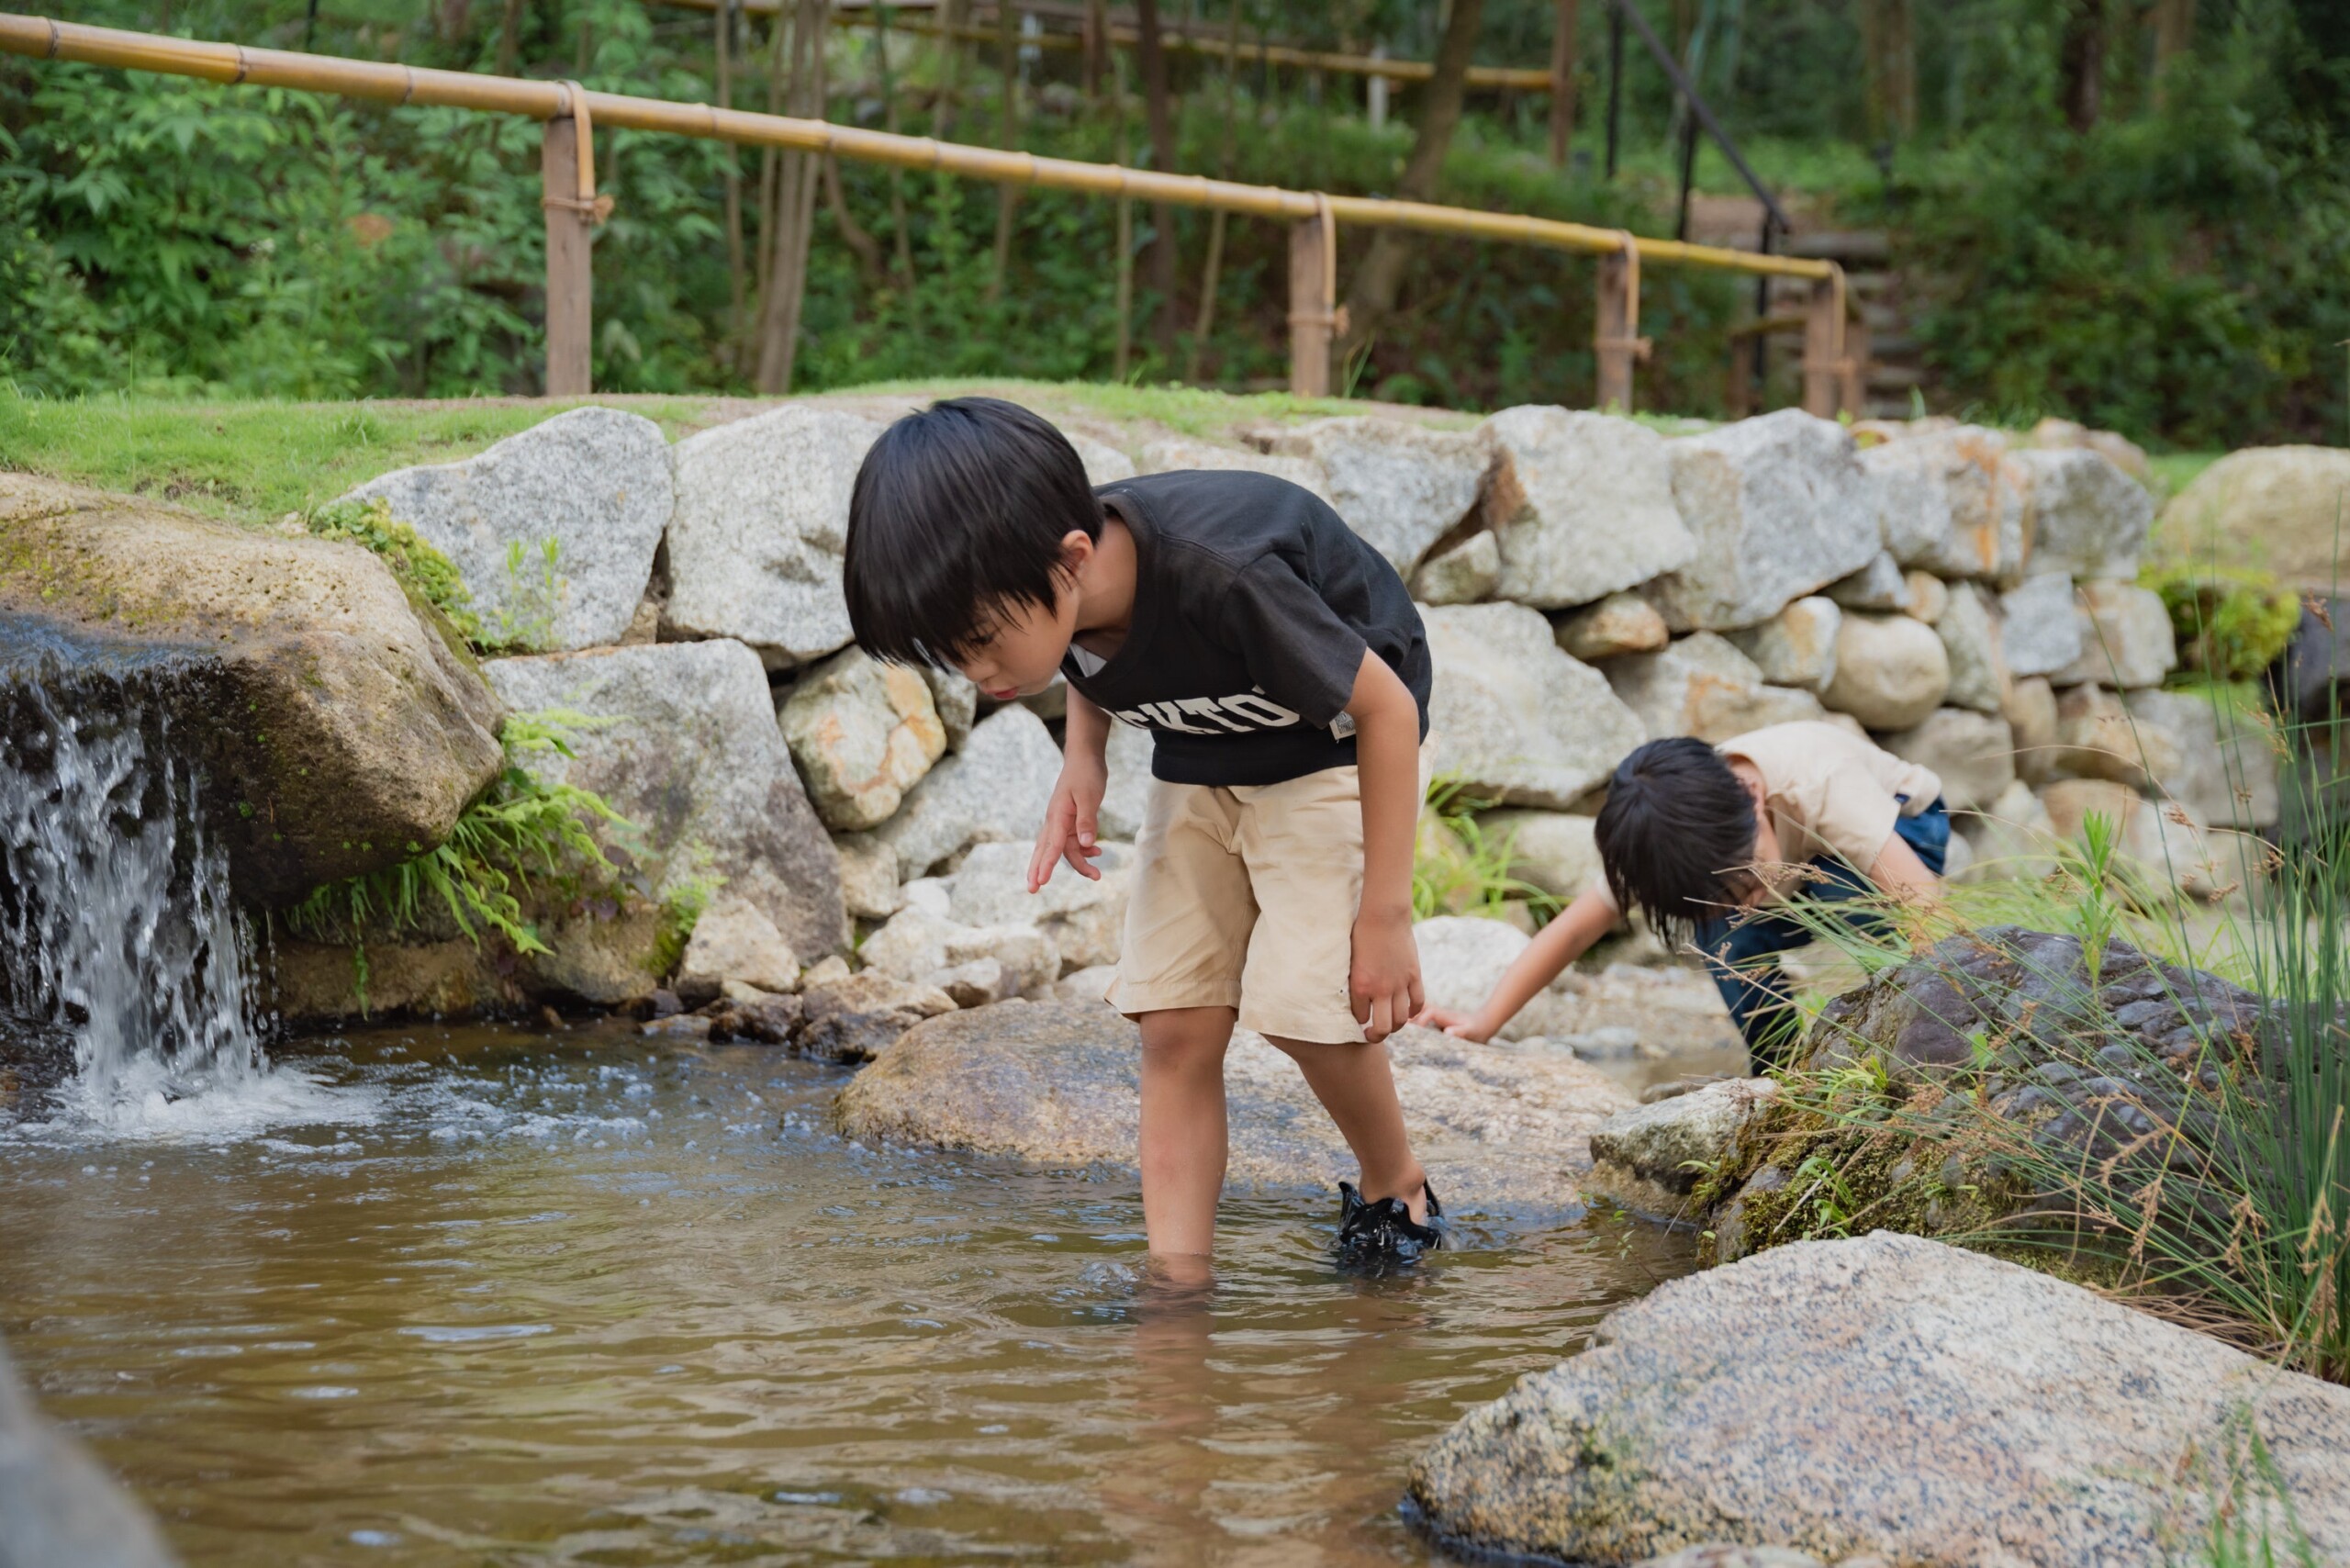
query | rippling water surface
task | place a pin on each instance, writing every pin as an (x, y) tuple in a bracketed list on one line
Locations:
[(580, 1298)]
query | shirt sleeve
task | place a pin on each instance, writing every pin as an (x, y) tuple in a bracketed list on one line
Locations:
[(1298, 651), (1852, 814)]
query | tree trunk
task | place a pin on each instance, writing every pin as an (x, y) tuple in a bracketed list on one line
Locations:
[(1210, 271), (1890, 69), (797, 175), (1007, 196), (900, 240), (2081, 74), (1371, 295), (509, 38), (1564, 38), (1124, 288), (1157, 111), (1097, 47), (738, 280), (2173, 39), (950, 75)]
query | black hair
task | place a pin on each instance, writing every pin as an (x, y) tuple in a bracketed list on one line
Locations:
[(956, 516), (1676, 833)]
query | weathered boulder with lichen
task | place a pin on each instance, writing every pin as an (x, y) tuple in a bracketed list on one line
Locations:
[(335, 725), (1927, 1098)]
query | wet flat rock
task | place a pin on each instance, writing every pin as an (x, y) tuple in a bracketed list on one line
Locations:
[(1501, 1128), (1888, 1395)]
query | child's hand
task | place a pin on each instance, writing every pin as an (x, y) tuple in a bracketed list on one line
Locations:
[(1069, 822), (1383, 986), (1460, 1026)]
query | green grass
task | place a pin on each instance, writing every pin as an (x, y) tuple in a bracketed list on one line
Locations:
[(253, 462)]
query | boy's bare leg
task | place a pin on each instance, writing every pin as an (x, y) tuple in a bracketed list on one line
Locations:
[(1355, 1086), (1184, 1145)]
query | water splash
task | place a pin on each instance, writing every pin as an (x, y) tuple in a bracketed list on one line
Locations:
[(117, 928)]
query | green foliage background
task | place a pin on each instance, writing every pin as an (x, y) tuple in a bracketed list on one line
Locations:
[(2178, 271)]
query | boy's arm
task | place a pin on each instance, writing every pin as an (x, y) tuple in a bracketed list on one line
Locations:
[(1384, 984), (1071, 817), (1556, 945), (1898, 871)]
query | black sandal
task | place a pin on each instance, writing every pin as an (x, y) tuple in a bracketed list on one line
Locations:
[(1381, 1237)]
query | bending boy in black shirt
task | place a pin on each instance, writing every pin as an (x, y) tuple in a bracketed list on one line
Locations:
[(1278, 663)]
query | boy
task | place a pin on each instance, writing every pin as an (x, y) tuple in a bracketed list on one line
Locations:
[(1283, 671), (1698, 839)]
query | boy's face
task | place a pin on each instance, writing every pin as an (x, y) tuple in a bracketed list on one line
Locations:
[(1024, 653)]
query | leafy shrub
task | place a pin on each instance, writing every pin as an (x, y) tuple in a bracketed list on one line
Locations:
[(1459, 868), (2231, 622)]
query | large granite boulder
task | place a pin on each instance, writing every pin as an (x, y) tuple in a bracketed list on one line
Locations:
[(593, 484), (335, 725), (1797, 646), (2098, 738), (735, 940), (1660, 1011), (1502, 1129), (2226, 769), (2083, 516), (1514, 718), (2040, 630), (1462, 574), (863, 733), (1085, 917), (1651, 1158), (1402, 486), (2013, 838), (1973, 754), (1580, 505), (1888, 1395), (1891, 671), (762, 518), (1970, 634), (1880, 584), (995, 788), (1620, 623), (2280, 508), (58, 1508), (1173, 454), (1703, 686), (1779, 508), (1555, 851), (1127, 796), (2126, 640), (689, 753), (1941, 506), (1463, 957)]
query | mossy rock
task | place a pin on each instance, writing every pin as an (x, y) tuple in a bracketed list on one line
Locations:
[(334, 728)]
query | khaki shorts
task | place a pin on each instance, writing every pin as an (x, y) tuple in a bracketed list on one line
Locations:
[(1245, 897)]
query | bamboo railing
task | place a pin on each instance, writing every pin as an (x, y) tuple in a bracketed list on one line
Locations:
[(570, 112)]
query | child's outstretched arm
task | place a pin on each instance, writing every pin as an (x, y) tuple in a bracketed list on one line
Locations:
[(1556, 945), (1383, 983), (1070, 819)]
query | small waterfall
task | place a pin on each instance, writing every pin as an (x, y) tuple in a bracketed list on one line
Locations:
[(116, 925)]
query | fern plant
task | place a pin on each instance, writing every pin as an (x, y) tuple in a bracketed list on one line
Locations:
[(417, 565), (524, 831)]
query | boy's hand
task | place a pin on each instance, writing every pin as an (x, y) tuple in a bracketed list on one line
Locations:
[(1460, 1026), (1069, 822), (1384, 987)]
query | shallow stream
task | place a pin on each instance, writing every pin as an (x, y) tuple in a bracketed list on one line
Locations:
[(493, 1296)]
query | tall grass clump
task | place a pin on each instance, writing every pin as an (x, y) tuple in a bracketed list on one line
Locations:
[(2119, 1117)]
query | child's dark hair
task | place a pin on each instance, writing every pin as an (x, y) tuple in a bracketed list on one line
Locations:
[(958, 514), (1676, 832)]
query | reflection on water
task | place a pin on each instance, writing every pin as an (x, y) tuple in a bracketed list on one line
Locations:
[(573, 1299)]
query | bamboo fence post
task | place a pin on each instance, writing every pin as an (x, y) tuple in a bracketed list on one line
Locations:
[(566, 190), (1312, 301), (1616, 345), (1823, 335), (1124, 289)]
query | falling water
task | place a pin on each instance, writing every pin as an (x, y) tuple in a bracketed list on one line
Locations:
[(117, 930)]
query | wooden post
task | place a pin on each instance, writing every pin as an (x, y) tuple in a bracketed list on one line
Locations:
[(1822, 343), (1853, 369), (1562, 79), (1616, 330), (571, 308), (1312, 304)]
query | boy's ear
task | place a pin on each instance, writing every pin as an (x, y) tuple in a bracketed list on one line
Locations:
[(1077, 548)]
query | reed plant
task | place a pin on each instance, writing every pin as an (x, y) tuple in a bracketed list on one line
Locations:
[(2209, 1177)]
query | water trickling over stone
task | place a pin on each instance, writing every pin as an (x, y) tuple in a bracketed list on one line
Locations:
[(117, 930)]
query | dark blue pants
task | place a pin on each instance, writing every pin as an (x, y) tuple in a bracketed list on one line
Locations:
[(1742, 951)]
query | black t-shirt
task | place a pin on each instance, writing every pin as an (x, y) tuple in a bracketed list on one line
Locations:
[(1253, 605)]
